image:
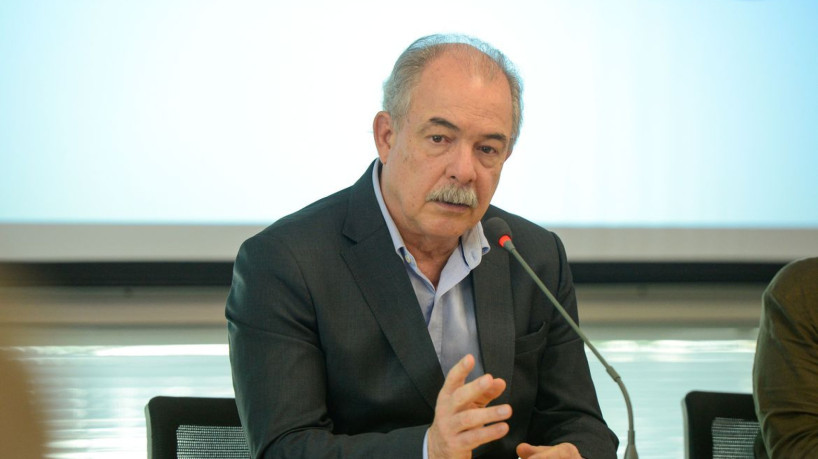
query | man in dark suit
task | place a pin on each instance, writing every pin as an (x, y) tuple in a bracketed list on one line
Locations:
[(345, 316)]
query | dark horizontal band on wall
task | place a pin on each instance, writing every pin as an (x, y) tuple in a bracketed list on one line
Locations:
[(218, 274), (116, 274)]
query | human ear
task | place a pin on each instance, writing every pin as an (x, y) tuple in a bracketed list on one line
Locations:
[(384, 134)]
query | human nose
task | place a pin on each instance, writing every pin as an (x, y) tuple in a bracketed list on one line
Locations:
[(462, 165)]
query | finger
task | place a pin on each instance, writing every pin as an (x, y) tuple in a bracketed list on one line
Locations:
[(497, 387), (479, 417), (465, 431), (478, 393), (565, 451), (470, 439), (457, 375), (560, 451), (524, 450)]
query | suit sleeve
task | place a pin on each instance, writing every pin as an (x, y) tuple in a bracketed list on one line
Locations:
[(785, 373), (278, 365), (566, 408)]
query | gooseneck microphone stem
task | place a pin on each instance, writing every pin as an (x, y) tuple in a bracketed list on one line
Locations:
[(506, 243)]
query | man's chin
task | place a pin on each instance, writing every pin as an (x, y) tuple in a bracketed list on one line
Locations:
[(448, 226)]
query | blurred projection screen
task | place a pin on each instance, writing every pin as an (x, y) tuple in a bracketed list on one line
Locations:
[(668, 130)]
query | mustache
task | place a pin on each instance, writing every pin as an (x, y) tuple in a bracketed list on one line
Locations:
[(453, 194)]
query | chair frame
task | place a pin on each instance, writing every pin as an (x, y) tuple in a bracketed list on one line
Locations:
[(165, 414), (700, 408)]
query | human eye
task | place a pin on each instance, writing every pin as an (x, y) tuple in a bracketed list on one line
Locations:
[(490, 156), (487, 149), (437, 138)]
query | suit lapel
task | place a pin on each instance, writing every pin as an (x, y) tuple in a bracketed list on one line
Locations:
[(382, 279), (493, 305)]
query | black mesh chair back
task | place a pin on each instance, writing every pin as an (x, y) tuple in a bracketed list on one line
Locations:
[(194, 428), (719, 425)]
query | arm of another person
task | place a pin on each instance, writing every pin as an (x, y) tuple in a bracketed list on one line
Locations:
[(785, 373)]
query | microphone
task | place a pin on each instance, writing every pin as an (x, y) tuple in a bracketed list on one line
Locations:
[(498, 230)]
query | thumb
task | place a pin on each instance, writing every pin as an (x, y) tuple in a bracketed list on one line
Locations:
[(524, 450)]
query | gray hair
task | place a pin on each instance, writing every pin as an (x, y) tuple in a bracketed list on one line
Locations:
[(397, 90)]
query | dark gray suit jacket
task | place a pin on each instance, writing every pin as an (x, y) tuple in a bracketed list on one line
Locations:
[(331, 357)]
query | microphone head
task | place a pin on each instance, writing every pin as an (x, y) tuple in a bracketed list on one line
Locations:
[(497, 230)]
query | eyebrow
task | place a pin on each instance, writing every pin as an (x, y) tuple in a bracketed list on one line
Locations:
[(437, 121), (443, 122)]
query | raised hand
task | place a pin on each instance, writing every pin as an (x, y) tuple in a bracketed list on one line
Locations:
[(462, 419)]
